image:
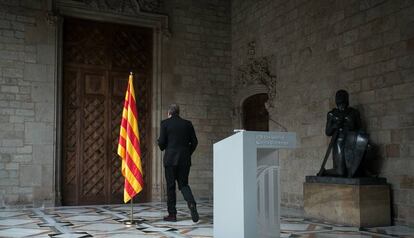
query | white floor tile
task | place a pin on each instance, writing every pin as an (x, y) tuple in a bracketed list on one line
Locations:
[(21, 232)]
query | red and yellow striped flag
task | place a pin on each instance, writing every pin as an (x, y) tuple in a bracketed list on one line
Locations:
[(129, 146)]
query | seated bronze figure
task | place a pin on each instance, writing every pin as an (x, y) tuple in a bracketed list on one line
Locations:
[(348, 142)]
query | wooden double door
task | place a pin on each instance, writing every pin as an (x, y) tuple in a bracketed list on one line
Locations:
[(97, 59)]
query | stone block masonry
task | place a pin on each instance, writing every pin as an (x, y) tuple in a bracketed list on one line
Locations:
[(196, 74), (318, 47), (355, 205), (27, 102)]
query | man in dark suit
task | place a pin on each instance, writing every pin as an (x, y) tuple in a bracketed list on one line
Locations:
[(178, 139)]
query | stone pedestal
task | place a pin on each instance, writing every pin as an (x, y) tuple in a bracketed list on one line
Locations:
[(360, 202)]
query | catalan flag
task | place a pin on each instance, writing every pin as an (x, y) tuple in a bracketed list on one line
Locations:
[(129, 145)]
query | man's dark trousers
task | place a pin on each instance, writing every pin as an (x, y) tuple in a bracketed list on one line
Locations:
[(179, 172)]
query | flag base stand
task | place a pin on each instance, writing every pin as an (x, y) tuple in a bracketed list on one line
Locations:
[(132, 221)]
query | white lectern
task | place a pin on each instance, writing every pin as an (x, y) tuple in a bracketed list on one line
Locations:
[(246, 184)]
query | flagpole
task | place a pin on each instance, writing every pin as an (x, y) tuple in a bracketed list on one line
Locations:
[(132, 206), (122, 150), (131, 222), (132, 213)]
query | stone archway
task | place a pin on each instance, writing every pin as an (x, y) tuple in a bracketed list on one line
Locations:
[(240, 98), (252, 78)]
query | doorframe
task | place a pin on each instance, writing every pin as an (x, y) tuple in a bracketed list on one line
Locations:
[(159, 24)]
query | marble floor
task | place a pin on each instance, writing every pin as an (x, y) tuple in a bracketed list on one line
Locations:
[(108, 221)]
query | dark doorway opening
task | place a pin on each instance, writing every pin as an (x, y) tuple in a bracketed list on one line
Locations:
[(255, 115)]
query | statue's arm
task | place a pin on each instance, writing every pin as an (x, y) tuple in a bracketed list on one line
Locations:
[(331, 125)]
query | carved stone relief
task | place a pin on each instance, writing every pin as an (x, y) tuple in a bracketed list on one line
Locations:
[(149, 5), (256, 71), (125, 6), (251, 78), (51, 18)]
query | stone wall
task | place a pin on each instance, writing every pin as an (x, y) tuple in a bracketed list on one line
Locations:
[(27, 104), (315, 47), (318, 47), (197, 77), (196, 74)]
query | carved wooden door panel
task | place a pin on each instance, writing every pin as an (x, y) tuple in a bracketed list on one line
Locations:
[(97, 58), (255, 115)]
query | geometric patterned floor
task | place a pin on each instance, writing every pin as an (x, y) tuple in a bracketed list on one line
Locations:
[(107, 221)]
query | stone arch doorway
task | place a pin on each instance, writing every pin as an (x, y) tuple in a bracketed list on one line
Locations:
[(97, 57), (255, 115)]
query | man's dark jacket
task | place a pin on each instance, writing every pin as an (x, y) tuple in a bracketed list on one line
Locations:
[(178, 139)]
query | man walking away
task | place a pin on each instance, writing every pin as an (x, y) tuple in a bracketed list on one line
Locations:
[(178, 139)]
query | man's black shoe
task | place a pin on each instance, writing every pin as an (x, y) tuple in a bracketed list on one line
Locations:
[(194, 213), (170, 217)]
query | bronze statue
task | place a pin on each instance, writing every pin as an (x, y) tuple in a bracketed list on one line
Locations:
[(348, 142)]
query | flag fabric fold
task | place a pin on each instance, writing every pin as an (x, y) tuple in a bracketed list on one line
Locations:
[(129, 145)]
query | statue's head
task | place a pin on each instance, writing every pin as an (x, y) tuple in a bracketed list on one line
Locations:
[(342, 99)]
